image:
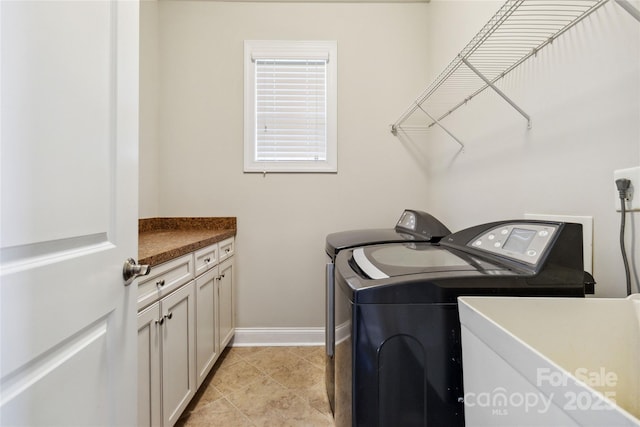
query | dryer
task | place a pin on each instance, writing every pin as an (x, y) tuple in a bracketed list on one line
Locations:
[(397, 331)]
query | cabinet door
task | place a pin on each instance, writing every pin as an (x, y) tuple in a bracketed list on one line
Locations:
[(206, 336), (178, 352), (226, 301), (149, 367)]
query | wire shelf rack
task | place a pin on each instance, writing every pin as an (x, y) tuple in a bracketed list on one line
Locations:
[(516, 32)]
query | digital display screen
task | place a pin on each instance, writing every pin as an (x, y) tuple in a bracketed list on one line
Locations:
[(519, 240)]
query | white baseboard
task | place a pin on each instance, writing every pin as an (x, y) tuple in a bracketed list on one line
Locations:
[(258, 337)]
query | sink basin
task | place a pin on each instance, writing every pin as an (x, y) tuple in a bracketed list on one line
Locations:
[(551, 361)]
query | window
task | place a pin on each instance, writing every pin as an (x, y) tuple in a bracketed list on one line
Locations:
[(290, 111)]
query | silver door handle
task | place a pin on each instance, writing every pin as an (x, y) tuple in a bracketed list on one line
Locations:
[(131, 270)]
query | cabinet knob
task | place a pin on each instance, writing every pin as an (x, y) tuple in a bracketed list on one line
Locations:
[(160, 283), (162, 319), (207, 260)]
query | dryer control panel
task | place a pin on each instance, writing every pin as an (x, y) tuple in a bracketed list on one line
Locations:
[(525, 241)]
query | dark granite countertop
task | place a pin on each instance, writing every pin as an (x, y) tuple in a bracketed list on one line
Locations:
[(163, 239)]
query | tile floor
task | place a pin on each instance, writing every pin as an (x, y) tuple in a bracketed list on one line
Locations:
[(262, 386)]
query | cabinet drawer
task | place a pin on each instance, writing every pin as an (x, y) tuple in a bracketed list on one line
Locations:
[(227, 248), (206, 258), (164, 279)]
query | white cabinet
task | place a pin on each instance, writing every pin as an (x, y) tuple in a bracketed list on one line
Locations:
[(164, 279), (149, 405), (226, 300), (166, 342), (186, 317), (207, 343), (215, 312), (178, 346), (206, 258), (227, 249), (166, 362)]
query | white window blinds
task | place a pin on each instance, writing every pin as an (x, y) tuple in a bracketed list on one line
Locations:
[(290, 106), (291, 110)]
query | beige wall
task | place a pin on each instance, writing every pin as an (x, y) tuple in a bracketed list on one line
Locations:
[(149, 108), (583, 94), (283, 218)]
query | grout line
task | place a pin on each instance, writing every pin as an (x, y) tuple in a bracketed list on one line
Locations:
[(240, 411)]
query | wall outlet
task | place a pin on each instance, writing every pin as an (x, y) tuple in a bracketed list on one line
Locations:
[(633, 194), (587, 233)]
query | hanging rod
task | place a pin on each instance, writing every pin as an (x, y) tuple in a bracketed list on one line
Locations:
[(516, 32)]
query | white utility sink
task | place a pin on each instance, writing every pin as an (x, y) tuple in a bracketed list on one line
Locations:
[(551, 361)]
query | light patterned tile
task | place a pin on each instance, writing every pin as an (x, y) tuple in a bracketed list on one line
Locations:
[(252, 398), (228, 379), (311, 418), (207, 394), (317, 397), (268, 403), (313, 354), (317, 356), (263, 386), (219, 413), (306, 351), (299, 375), (272, 359), (228, 357), (247, 351)]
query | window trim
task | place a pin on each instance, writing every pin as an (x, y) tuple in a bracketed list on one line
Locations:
[(282, 49)]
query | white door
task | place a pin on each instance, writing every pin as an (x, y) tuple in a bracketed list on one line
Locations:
[(68, 206)]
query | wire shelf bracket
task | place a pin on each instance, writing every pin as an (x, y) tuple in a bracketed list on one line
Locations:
[(436, 121), (518, 30), (498, 91)]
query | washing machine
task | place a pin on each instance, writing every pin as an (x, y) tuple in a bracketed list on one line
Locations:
[(397, 332), (412, 226)]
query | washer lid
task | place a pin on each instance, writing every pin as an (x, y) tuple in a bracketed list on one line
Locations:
[(390, 260), (335, 242)]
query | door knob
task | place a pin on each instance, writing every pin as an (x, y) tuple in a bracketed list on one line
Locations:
[(131, 270)]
